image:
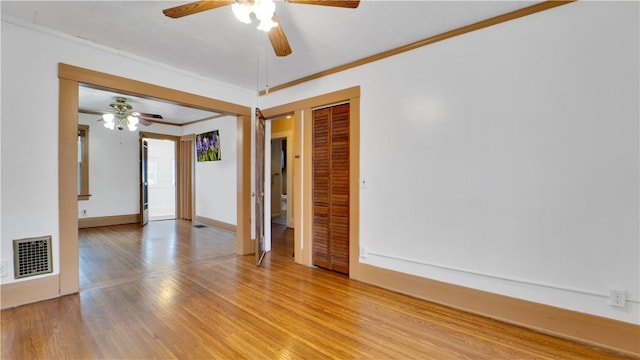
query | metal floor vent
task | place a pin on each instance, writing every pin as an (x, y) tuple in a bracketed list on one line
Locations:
[(32, 256)]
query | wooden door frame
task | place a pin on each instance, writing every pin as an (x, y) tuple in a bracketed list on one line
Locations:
[(302, 111), (70, 78), (180, 200)]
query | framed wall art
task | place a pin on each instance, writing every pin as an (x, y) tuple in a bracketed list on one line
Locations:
[(208, 146)]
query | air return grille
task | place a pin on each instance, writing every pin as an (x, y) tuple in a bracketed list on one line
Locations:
[(32, 256)]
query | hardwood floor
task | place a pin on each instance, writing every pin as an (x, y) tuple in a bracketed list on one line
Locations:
[(114, 254), (174, 291)]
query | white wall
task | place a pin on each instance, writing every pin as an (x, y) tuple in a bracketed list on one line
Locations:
[(114, 168), (216, 181), (114, 171), (29, 153), (507, 159)]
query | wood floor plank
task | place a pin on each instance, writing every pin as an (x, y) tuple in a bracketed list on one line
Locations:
[(172, 291)]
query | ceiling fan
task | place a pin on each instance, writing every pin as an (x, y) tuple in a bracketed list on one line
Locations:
[(123, 116), (263, 10)]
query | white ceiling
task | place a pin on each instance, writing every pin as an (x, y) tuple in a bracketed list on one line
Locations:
[(215, 45), (95, 100)]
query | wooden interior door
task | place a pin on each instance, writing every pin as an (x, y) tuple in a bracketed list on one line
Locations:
[(144, 183), (259, 194), (331, 188)]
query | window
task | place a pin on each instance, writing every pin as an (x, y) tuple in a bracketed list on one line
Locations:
[(83, 162)]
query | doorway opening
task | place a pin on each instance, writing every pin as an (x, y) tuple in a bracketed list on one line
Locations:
[(70, 78), (279, 203), (279, 193), (281, 164), (161, 176)]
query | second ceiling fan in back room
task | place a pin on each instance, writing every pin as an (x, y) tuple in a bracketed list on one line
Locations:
[(262, 10), (123, 116)]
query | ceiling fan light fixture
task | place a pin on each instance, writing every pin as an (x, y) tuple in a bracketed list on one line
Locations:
[(267, 25), (108, 121), (110, 125), (122, 116), (242, 10), (108, 117), (132, 119), (264, 10)]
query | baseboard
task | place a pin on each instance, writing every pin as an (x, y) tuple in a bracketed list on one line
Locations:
[(215, 223), (589, 329), (29, 291), (108, 220)]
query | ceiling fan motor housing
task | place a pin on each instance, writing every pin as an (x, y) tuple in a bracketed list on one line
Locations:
[(121, 106)]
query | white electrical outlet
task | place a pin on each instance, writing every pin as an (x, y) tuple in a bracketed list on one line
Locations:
[(617, 298), (3, 268)]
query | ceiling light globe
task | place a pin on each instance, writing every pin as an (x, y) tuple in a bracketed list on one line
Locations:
[(132, 119), (264, 9), (242, 12), (267, 25), (108, 118)]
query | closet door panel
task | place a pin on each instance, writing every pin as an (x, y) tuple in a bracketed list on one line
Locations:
[(331, 188), (339, 199), (321, 190)]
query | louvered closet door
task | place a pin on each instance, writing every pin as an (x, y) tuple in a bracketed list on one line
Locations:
[(321, 121), (331, 188)]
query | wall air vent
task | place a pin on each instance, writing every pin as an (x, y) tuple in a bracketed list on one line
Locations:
[(32, 256)]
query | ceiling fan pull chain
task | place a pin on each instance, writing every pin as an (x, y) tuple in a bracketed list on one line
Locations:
[(266, 61)]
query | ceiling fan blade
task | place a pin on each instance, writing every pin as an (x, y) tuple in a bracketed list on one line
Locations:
[(351, 4), (279, 39), (195, 7), (151, 116), (144, 122)]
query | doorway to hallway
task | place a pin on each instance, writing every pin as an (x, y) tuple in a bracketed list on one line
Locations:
[(279, 203), (277, 154), (281, 170)]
